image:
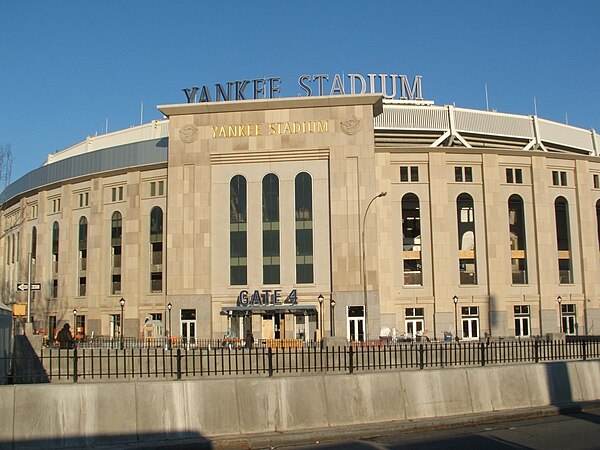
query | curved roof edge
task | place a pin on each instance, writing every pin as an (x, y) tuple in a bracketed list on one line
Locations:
[(113, 158)]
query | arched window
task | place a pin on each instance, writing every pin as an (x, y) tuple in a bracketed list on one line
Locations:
[(33, 244), (516, 230), (304, 228), (563, 241), (411, 240), (598, 221), (156, 249), (270, 215), (465, 214), (55, 236), (238, 232), (82, 247), (116, 235), (55, 233)]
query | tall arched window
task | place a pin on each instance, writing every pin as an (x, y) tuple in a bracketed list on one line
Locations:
[(270, 214), (156, 249), (563, 240), (516, 229), (238, 232), (33, 245), (304, 229), (116, 235), (598, 221), (465, 214), (82, 247), (411, 240), (55, 236)]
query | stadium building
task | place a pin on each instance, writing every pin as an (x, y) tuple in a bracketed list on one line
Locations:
[(352, 216)]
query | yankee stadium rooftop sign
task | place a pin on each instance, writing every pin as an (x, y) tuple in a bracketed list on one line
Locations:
[(391, 86)]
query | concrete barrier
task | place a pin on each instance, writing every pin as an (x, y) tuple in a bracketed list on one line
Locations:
[(68, 415)]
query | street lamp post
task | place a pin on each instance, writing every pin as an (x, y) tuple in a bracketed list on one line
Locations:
[(364, 267), (332, 314), (75, 323), (169, 306), (122, 302), (560, 322), (455, 299), (320, 317)]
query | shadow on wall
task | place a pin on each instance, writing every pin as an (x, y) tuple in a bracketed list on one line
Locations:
[(179, 440), (561, 394), (26, 366)]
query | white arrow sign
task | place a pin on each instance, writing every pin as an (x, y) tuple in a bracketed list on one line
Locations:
[(22, 287)]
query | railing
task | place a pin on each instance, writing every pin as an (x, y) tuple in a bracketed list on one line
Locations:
[(158, 362)]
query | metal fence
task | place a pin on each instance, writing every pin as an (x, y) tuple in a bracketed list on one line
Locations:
[(98, 364)]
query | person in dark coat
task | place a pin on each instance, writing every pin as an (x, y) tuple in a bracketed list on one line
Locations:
[(249, 339), (64, 337)]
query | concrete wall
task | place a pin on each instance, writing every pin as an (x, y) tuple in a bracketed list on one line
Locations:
[(58, 416)]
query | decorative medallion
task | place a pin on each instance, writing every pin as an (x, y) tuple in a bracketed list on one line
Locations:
[(350, 126), (188, 134)]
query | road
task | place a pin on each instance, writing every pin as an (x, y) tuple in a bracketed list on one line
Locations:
[(577, 430)]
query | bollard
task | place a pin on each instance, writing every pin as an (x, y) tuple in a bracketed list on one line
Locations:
[(421, 357)]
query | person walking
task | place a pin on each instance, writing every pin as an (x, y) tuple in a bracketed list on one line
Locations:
[(249, 339), (64, 337)]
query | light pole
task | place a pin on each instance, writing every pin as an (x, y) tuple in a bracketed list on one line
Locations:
[(75, 323), (122, 302), (455, 299), (560, 324), (169, 306), (320, 317), (364, 267), (332, 314)]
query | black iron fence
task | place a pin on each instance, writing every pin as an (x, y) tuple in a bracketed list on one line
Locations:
[(164, 362)]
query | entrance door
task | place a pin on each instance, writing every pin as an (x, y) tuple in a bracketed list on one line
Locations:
[(470, 322), (356, 323), (188, 327), (115, 326)]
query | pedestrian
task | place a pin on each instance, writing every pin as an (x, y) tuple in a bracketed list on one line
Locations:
[(249, 339), (64, 337)]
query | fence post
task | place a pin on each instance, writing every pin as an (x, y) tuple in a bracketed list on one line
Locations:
[(351, 357), (482, 347), (421, 357), (75, 364), (270, 359), (583, 350), (178, 363), (536, 350)]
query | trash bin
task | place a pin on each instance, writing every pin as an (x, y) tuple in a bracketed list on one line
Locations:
[(447, 336)]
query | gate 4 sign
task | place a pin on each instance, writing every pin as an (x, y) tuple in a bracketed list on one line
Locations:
[(25, 287)]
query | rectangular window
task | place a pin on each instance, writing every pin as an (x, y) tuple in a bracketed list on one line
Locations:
[(414, 173), (156, 282), (56, 205), (161, 188), (84, 199), (404, 173), (468, 174), (152, 189), (458, 174), (114, 194), (54, 290), (563, 178), (115, 287), (120, 193), (509, 176), (568, 319), (555, 179), (522, 321), (518, 176), (82, 286), (463, 174), (596, 181), (470, 322)]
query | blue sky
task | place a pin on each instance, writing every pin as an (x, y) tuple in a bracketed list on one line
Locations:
[(68, 66)]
